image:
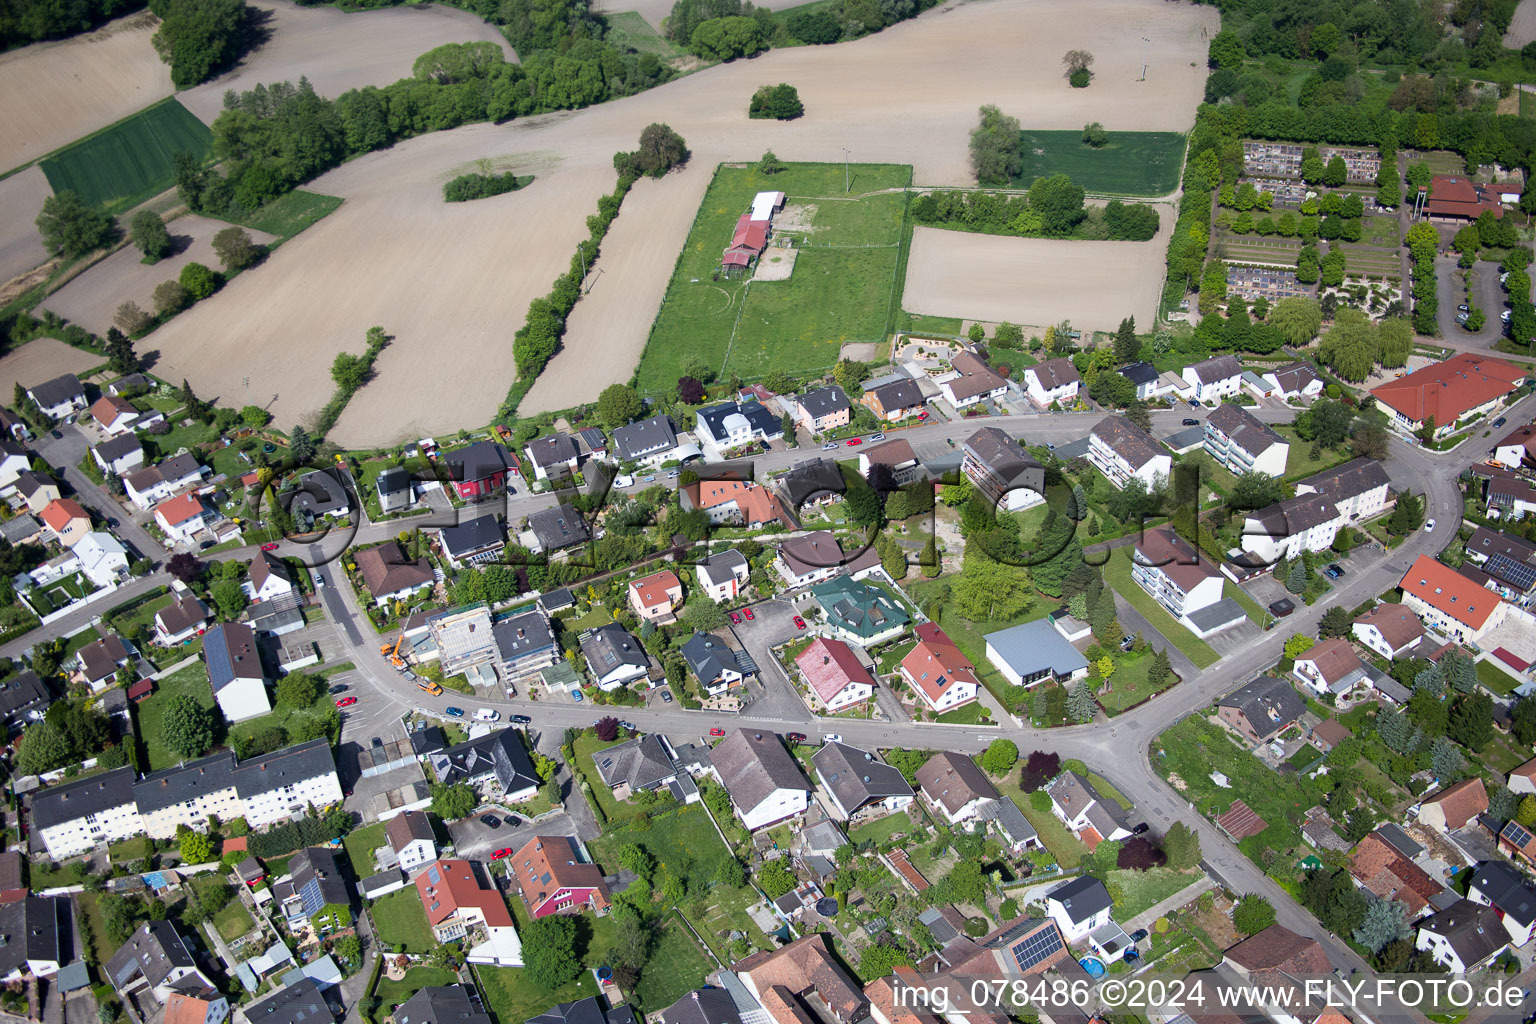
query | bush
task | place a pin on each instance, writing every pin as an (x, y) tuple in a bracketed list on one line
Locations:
[(235, 249), (199, 281), (70, 227), (149, 234), (480, 186), (781, 102)]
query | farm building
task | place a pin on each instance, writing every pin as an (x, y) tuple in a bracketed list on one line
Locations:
[(751, 235)]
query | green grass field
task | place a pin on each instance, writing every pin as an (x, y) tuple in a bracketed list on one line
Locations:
[(127, 163), (191, 681), (290, 214), (634, 30), (843, 289), (399, 920), (1130, 164)]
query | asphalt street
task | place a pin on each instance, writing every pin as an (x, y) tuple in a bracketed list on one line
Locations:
[(1488, 296)]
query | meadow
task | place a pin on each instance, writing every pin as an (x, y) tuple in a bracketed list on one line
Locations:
[(1130, 164), (127, 163)]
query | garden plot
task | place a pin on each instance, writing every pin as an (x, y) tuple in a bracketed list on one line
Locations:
[(91, 299)]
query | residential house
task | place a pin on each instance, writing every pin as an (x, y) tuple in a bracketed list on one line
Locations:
[(187, 794), (496, 765), (834, 675), (22, 528), (803, 982), (810, 558), (13, 462), (146, 488), (650, 441), (702, 1006), (1522, 779), (1055, 381), (1239, 442), (37, 490), (643, 764), (1077, 805), (893, 460), (1306, 522), (1389, 629), (1262, 709), (120, 455), (234, 669), (1464, 937), (1448, 393), (477, 541), (115, 415), (410, 835), (12, 888), (298, 1002), (763, 781), (973, 381), (1501, 886), (78, 816), (1145, 377), (389, 575), (442, 1004), (614, 657), (458, 897), (181, 621), (1295, 381), (555, 878), (183, 1008), (1079, 907), (395, 489), (1358, 488), (152, 965), (1517, 448), (811, 482), (655, 598), (23, 699), (1215, 378), (1002, 470), (591, 443), (1032, 653), (716, 666), (1454, 806), (1121, 450), (14, 425), (183, 517), (1276, 953), (1449, 603), (102, 558), (66, 521), (316, 889), (722, 574), (480, 470), (937, 672), (732, 501), (859, 784), (586, 1011), (821, 410), (96, 663), (1027, 946), (1517, 841), (554, 457), (729, 425), (555, 529), (954, 787), (59, 397), (858, 612), (1176, 575), (1485, 545), (1330, 666), (270, 579), (526, 644), (1379, 867), (277, 786), (894, 401)]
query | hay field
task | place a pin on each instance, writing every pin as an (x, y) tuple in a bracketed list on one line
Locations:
[(43, 359), (340, 51), (1130, 164), (91, 299), (57, 92), (1036, 280), (21, 247), (453, 285), (131, 161)]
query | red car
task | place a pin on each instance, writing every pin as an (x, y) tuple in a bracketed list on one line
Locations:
[(269, 546), (748, 613), (923, 415), (346, 702), (854, 440), (799, 622), (735, 619), (717, 731), (500, 854)]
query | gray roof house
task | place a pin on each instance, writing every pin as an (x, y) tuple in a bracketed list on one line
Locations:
[(526, 643), (1032, 652), (636, 765), (584, 1011), (762, 779), (1262, 709), (714, 664), (703, 1006), (1011, 825), (952, 783), (553, 456), (154, 957), (298, 1003), (441, 1004), (1079, 806), (46, 924), (558, 527), (856, 779), (649, 439), (613, 656), (23, 698), (321, 493), (499, 756), (472, 542)]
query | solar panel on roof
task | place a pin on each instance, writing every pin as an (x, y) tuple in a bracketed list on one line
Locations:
[(1517, 835), (1036, 948), (1517, 574)]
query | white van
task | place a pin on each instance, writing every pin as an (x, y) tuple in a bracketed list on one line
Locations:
[(487, 715)]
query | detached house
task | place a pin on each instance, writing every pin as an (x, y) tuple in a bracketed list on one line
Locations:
[(821, 410), (1236, 439), (1331, 666), (1002, 470), (737, 502), (1121, 450), (234, 669), (656, 597), (154, 964), (809, 559), (1215, 378), (555, 878), (834, 675), (954, 787), (13, 462), (1262, 709), (640, 765), (716, 666), (650, 441), (59, 397), (720, 428), (859, 784), (479, 470), (858, 612), (179, 622), (1077, 805), (763, 781), (554, 457), (102, 558), (1517, 448), (410, 836), (722, 575), (614, 657), (972, 381), (525, 644), (1295, 381), (389, 575), (1450, 603), (1464, 937), (894, 457), (1389, 629), (116, 415), (477, 541), (36, 490), (96, 663), (497, 766), (1053, 381), (894, 401), (1454, 806), (183, 517), (66, 521), (270, 579), (395, 490), (458, 897), (1500, 886), (1079, 907), (119, 455), (1378, 867), (147, 487), (800, 974), (555, 529), (937, 672)]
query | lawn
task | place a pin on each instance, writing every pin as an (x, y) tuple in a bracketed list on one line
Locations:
[(1300, 462), (287, 216), (677, 966), (399, 921), (1128, 684), (234, 920), (968, 635), (1117, 573), (136, 848), (844, 287), (881, 829), (932, 326), (1063, 845), (966, 714), (295, 722), (1130, 164), (360, 845), (130, 161), (597, 616), (127, 620), (1495, 680), (1142, 890), (191, 681), (512, 997), (392, 993), (891, 657)]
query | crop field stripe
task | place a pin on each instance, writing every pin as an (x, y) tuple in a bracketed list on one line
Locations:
[(131, 160), (1130, 164)]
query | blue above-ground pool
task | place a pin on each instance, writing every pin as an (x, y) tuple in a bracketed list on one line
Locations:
[(1093, 965)]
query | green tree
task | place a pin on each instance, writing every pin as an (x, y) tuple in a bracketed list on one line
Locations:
[(196, 848), (1252, 914), (1081, 704), (1181, 845), (781, 102), (43, 748), (1000, 757), (1336, 622), (299, 690), (120, 352), (1127, 345), (988, 589), (1298, 318), (453, 802), (301, 446), (1526, 814), (200, 37), (132, 319), (1471, 721), (188, 728), (1296, 579), (1385, 921), (1094, 134), (618, 405), (1059, 203), (775, 879), (995, 154), (1445, 760), (1225, 50), (727, 38), (1298, 643), (235, 249), (148, 232), (769, 164), (70, 227), (550, 952), (171, 298), (878, 960)]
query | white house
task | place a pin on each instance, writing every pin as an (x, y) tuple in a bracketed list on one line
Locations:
[(115, 415), (763, 781), (78, 816), (119, 455), (1307, 522), (13, 462), (1077, 805), (181, 621), (1215, 378), (859, 783), (1295, 381), (1463, 937), (234, 669), (1032, 653), (954, 787), (970, 381), (270, 579), (410, 836), (181, 518), (1055, 380), (1236, 439), (1358, 488), (1330, 666), (614, 657), (722, 575), (811, 558), (834, 675), (728, 425), (1121, 450), (1499, 885), (102, 557), (1518, 447), (554, 457), (1181, 579), (937, 672), (147, 487), (59, 397), (1389, 629), (1079, 906)]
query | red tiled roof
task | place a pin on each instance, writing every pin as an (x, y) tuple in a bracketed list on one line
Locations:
[(1390, 875), (450, 884), (1334, 658), (179, 509), (108, 408), (59, 512), (757, 504), (936, 657), (830, 665), (1456, 196), (1448, 591), (1174, 557), (1448, 389), (1462, 802), (546, 865), (907, 870), (653, 589)]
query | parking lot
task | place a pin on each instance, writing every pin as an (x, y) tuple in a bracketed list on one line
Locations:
[(473, 839), (773, 696)]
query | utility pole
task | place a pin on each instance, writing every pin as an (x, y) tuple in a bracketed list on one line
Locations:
[(1145, 55), (846, 184)]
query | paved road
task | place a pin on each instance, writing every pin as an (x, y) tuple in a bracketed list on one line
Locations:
[(1487, 296), (65, 454)]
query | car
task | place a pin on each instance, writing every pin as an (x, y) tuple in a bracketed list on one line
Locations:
[(490, 821), (1282, 607), (1194, 404), (338, 688), (1127, 642), (628, 725), (520, 720), (1138, 935), (1463, 308), (1333, 572), (346, 702), (799, 622), (1190, 421), (500, 854), (949, 441), (487, 715), (319, 579), (112, 522), (430, 687), (55, 433), (764, 446), (666, 696), (577, 697), (834, 737), (453, 712), (649, 479), (1139, 829), (1429, 526), (672, 475), (1050, 446), (748, 613), (923, 415), (877, 437), (795, 737), (853, 441), (716, 731), (270, 545), (409, 675), (1336, 567), (1500, 421), (378, 741), (830, 446), (735, 619)]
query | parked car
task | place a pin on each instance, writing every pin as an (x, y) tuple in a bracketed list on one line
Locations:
[(1336, 567), (487, 715), (1190, 421), (319, 579), (454, 712), (490, 821), (346, 702), (1463, 308), (1500, 421), (877, 437), (666, 696), (269, 546), (672, 475), (430, 687), (799, 622), (520, 720), (1139, 829), (630, 726), (834, 737), (716, 731), (500, 854), (378, 741), (1050, 446), (949, 441), (923, 415), (853, 441), (748, 613), (1127, 642), (1138, 935), (1332, 573), (55, 433), (735, 619), (577, 697), (339, 688), (1194, 404), (649, 479), (1429, 526), (795, 737), (830, 446)]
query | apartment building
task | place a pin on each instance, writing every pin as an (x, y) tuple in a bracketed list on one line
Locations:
[(1236, 439), (1121, 450)]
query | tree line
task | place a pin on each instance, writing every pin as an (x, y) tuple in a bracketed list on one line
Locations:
[(1053, 209), (725, 29)]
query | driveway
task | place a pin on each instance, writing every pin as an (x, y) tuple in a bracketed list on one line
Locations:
[(474, 840), (773, 697), (1487, 295)]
